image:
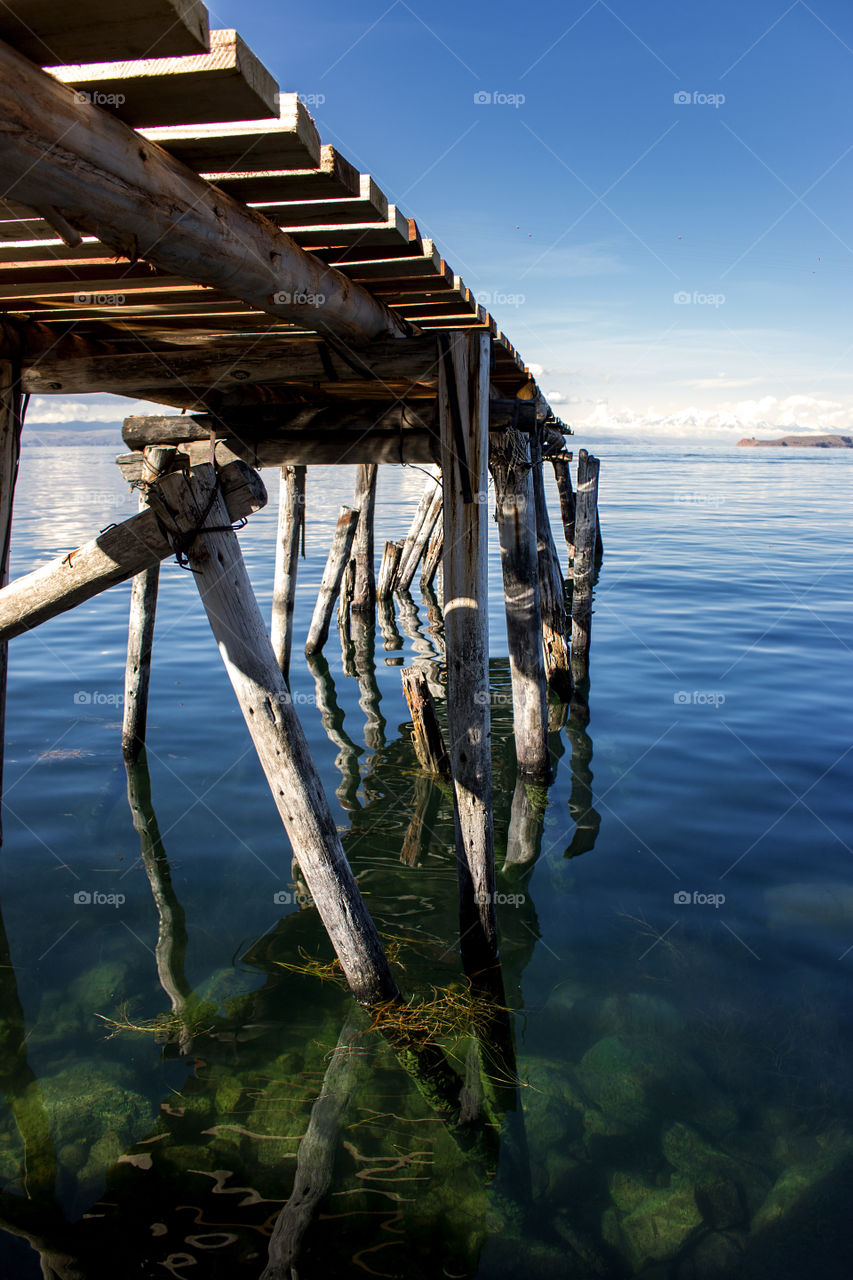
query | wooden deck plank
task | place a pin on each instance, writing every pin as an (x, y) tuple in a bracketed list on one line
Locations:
[(101, 30), (229, 83), (289, 140), (334, 177)]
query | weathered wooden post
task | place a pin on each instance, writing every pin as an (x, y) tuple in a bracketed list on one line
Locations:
[(425, 511), (291, 532), (10, 452), (364, 589), (414, 550), (562, 475), (388, 569), (432, 559), (244, 645), (463, 401), (330, 585), (586, 520), (140, 630), (515, 510), (427, 737), (551, 592)]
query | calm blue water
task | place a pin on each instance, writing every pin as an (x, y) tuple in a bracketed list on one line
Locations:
[(677, 959)]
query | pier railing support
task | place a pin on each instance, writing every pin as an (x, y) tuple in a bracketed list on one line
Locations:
[(586, 526), (464, 420), (364, 590), (244, 645), (291, 532), (516, 519)]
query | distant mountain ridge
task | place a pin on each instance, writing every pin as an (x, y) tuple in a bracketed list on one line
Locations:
[(798, 442)]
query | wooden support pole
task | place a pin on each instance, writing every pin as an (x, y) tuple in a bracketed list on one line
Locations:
[(426, 733), (140, 630), (464, 419), (563, 477), (432, 558), (387, 570), (417, 540), (235, 619), (586, 521), (10, 453), (291, 532), (551, 590), (114, 556), (509, 455), (364, 590), (330, 585)]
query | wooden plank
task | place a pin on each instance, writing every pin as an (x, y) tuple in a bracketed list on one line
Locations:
[(332, 178), (368, 204), (288, 140), (110, 182), (97, 30), (327, 239), (228, 83)]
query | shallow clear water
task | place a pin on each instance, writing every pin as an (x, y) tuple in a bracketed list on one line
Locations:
[(676, 959)]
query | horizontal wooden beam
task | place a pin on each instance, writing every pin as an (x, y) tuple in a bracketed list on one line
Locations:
[(287, 141), (95, 30), (106, 180)]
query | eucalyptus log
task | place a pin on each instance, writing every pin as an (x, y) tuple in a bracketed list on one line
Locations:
[(509, 455), (364, 590), (463, 415), (563, 477), (427, 737), (432, 559), (551, 589), (116, 554), (106, 180), (423, 523), (388, 569), (244, 645), (140, 630), (586, 522), (10, 453), (330, 584), (291, 531)]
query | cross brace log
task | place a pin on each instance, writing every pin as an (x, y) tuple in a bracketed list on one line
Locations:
[(120, 552), (108, 181)]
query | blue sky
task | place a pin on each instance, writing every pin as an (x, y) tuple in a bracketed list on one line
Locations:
[(585, 210)]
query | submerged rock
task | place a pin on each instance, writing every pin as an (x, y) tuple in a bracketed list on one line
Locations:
[(650, 1224)]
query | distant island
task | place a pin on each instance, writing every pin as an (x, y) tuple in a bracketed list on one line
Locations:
[(798, 442)]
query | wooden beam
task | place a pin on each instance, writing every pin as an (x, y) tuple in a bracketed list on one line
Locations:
[(95, 30), (108, 181), (114, 556), (289, 140), (463, 409), (228, 83)]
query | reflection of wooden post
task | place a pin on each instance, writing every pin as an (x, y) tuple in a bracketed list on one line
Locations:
[(425, 805), (387, 570), (525, 824), (140, 631), (562, 475), (391, 638), (463, 402), (551, 591), (291, 530), (586, 522), (364, 663), (426, 734), (330, 586), (10, 452), (332, 717), (516, 518), (364, 590), (220, 575)]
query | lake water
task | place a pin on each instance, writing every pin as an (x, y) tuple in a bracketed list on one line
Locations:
[(676, 959)]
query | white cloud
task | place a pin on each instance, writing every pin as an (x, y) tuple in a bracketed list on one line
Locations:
[(794, 414), (53, 409)]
